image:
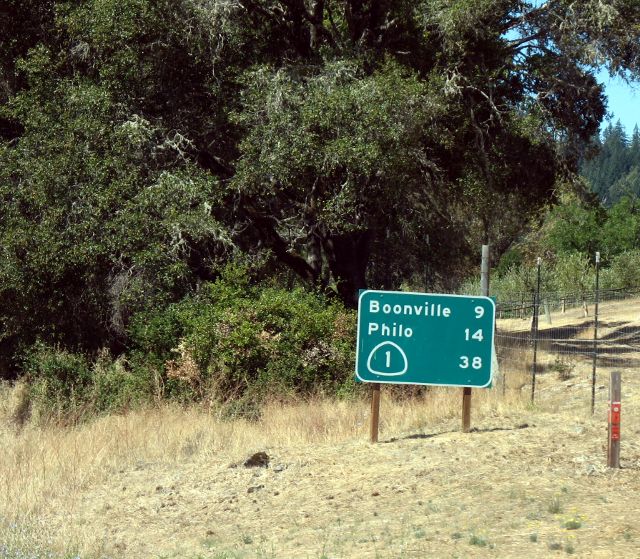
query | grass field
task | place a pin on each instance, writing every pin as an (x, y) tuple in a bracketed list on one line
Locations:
[(529, 481)]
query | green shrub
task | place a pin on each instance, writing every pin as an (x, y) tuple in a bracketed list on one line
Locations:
[(233, 342), (238, 341), (59, 382), (67, 387), (624, 271), (516, 282), (477, 540), (573, 272), (564, 367), (513, 258), (115, 386), (281, 341)]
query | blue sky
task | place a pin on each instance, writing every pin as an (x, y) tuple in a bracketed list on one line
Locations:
[(623, 101)]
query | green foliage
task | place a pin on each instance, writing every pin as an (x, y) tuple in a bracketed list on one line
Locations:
[(480, 541), (117, 385), (344, 134), (574, 273), (517, 284), (101, 209), (624, 271), (555, 505), (575, 227), (69, 387), (144, 144), (564, 367), (572, 233), (89, 221), (59, 380), (235, 340), (621, 230), (573, 523), (510, 259), (518, 280)]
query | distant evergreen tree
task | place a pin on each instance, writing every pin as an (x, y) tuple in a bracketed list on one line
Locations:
[(614, 171), (635, 147)]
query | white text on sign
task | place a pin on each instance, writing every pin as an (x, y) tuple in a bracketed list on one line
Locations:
[(398, 330)]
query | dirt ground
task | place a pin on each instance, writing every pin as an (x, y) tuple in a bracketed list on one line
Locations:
[(523, 486), (528, 483)]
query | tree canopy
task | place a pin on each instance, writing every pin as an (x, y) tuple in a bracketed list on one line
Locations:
[(346, 143)]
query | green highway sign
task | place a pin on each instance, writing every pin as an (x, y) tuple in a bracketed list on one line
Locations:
[(424, 338)]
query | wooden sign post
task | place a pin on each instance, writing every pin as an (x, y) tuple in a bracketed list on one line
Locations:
[(613, 446), (375, 411), (466, 409)]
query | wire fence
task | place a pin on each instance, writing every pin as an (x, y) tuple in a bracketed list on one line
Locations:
[(539, 332)]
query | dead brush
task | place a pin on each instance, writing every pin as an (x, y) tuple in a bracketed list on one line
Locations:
[(563, 367), (19, 405), (515, 366), (185, 369)]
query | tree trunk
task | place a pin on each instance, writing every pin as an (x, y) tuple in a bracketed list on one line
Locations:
[(348, 255)]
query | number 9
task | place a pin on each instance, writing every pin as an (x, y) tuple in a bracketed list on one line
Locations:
[(479, 312)]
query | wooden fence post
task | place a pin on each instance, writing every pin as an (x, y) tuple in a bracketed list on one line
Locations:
[(547, 311)]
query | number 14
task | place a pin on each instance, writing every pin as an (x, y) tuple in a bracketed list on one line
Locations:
[(477, 335)]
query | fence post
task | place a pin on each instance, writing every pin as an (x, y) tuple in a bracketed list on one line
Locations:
[(595, 335), (613, 446), (534, 332), (547, 312)]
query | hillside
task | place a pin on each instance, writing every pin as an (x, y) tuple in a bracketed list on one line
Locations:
[(529, 481)]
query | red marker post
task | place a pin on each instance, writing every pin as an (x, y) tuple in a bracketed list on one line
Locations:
[(615, 406)]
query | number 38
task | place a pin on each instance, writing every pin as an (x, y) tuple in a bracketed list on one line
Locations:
[(476, 362)]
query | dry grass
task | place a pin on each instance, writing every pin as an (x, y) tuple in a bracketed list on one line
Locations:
[(157, 482), (128, 486), (41, 464), (627, 311), (47, 468)]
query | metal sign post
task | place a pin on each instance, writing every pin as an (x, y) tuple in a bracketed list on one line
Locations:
[(615, 404), (466, 391), (534, 331), (595, 335)]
